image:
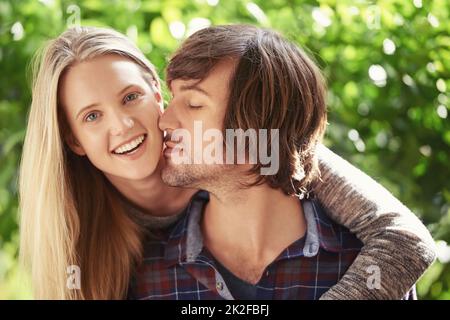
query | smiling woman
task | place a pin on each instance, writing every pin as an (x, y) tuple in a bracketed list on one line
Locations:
[(91, 150), (120, 122)]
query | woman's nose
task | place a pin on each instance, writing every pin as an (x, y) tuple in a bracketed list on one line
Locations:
[(121, 124)]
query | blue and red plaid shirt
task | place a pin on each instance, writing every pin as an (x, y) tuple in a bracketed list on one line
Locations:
[(177, 266)]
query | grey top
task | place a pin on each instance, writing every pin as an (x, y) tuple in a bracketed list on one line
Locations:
[(394, 239), (151, 222)]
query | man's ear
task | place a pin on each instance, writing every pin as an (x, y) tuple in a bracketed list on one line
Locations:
[(74, 145)]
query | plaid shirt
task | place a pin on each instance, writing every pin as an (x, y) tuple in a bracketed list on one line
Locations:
[(177, 266)]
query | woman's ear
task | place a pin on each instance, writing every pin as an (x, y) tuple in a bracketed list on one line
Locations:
[(158, 96), (74, 145), (157, 91)]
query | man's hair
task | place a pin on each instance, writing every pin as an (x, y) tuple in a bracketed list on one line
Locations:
[(274, 86)]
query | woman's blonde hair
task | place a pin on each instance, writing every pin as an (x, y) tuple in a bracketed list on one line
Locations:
[(70, 213)]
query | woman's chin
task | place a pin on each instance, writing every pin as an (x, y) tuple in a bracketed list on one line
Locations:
[(131, 174)]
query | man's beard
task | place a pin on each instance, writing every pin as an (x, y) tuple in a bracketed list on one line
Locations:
[(200, 176), (186, 175), (178, 175)]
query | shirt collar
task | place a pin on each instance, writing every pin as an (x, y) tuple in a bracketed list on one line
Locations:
[(329, 235), (186, 241)]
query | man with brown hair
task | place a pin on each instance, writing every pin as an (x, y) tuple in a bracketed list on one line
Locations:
[(251, 235)]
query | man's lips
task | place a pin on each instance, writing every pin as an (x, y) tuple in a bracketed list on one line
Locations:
[(170, 147), (172, 144)]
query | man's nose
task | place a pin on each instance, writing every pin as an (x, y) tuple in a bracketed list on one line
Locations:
[(169, 120)]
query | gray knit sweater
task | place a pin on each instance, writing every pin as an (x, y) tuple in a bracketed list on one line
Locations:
[(395, 240)]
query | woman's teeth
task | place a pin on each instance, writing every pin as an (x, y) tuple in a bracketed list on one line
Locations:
[(129, 146)]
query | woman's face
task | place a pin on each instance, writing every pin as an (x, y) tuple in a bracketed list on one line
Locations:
[(113, 115)]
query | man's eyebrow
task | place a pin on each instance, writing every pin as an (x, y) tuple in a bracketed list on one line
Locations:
[(195, 87)]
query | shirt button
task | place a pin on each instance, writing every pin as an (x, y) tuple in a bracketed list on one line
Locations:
[(219, 286), (312, 248)]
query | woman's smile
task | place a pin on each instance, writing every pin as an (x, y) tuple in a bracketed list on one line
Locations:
[(133, 149)]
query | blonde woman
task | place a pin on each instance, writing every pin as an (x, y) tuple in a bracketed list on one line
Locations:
[(90, 185)]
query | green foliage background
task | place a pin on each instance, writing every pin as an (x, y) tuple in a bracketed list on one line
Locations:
[(390, 120)]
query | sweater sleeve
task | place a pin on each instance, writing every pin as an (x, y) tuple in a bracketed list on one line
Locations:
[(396, 243)]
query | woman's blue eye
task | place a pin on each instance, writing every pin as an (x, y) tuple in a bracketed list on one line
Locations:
[(92, 117), (131, 97)]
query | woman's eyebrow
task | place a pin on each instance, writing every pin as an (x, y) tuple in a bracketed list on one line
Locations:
[(126, 88), (87, 107), (97, 104)]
